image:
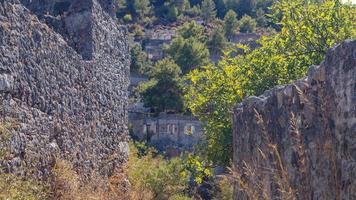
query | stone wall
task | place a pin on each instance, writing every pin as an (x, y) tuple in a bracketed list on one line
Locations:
[(312, 123), (57, 103)]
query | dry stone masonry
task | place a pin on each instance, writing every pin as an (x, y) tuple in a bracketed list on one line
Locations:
[(312, 122), (64, 73)]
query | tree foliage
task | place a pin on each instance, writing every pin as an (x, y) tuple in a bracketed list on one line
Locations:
[(192, 30), (247, 24), (230, 23), (188, 49), (308, 30), (163, 91), (139, 62), (216, 42), (208, 10), (246, 7), (142, 7), (153, 177)]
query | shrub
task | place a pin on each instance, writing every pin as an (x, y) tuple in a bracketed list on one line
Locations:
[(280, 59), (13, 187), (193, 11), (261, 18), (180, 197), (216, 42), (247, 24), (226, 189), (153, 177), (137, 31), (163, 91), (67, 185), (139, 62), (127, 18), (230, 23)]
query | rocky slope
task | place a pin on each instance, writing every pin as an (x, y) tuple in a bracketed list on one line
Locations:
[(312, 122), (63, 82)]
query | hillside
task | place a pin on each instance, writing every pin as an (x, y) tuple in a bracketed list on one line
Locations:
[(177, 100)]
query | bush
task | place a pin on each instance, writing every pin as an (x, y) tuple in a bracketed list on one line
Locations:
[(127, 18), (137, 31), (261, 18), (13, 187), (180, 197), (193, 11), (163, 92), (230, 23), (139, 61), (280, 59), (247, 24), (226, 189), (153, 177), (67, 185), (216, 42)]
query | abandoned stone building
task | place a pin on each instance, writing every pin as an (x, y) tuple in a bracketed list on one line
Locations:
[(167, 131), (155, 41)]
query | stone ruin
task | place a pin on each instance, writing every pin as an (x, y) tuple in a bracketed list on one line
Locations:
[(312, 123), (64, 73)]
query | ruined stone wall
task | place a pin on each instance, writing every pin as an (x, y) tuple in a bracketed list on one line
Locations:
[(59, 104), (166, 131), (312, 122)]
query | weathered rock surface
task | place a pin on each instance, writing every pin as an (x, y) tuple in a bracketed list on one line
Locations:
[(313, 124), (63, 80)]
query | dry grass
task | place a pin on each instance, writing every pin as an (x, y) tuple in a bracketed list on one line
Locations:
[(67, 185), (266, 176), (256, 177)]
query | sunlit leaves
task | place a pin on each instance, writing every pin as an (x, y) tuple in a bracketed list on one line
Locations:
[(308, 30)]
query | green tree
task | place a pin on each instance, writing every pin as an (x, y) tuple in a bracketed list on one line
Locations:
[(129, 5), (308, 31), (139, 61), (247, 24), (182, 5), (153, 177), (216, 42), (163, 92), (142, 7), (194, 11), (246, 7), (231, 4), (189, 53), (220, 8), (172, 13), (170, 10), (192, 29), (230, 23), (208, 10), (188, 49), (261, 19)]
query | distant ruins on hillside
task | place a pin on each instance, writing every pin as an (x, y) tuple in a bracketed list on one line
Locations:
[(172, 133)]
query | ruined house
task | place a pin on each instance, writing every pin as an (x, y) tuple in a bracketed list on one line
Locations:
[(155, 41), (167, 132)]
